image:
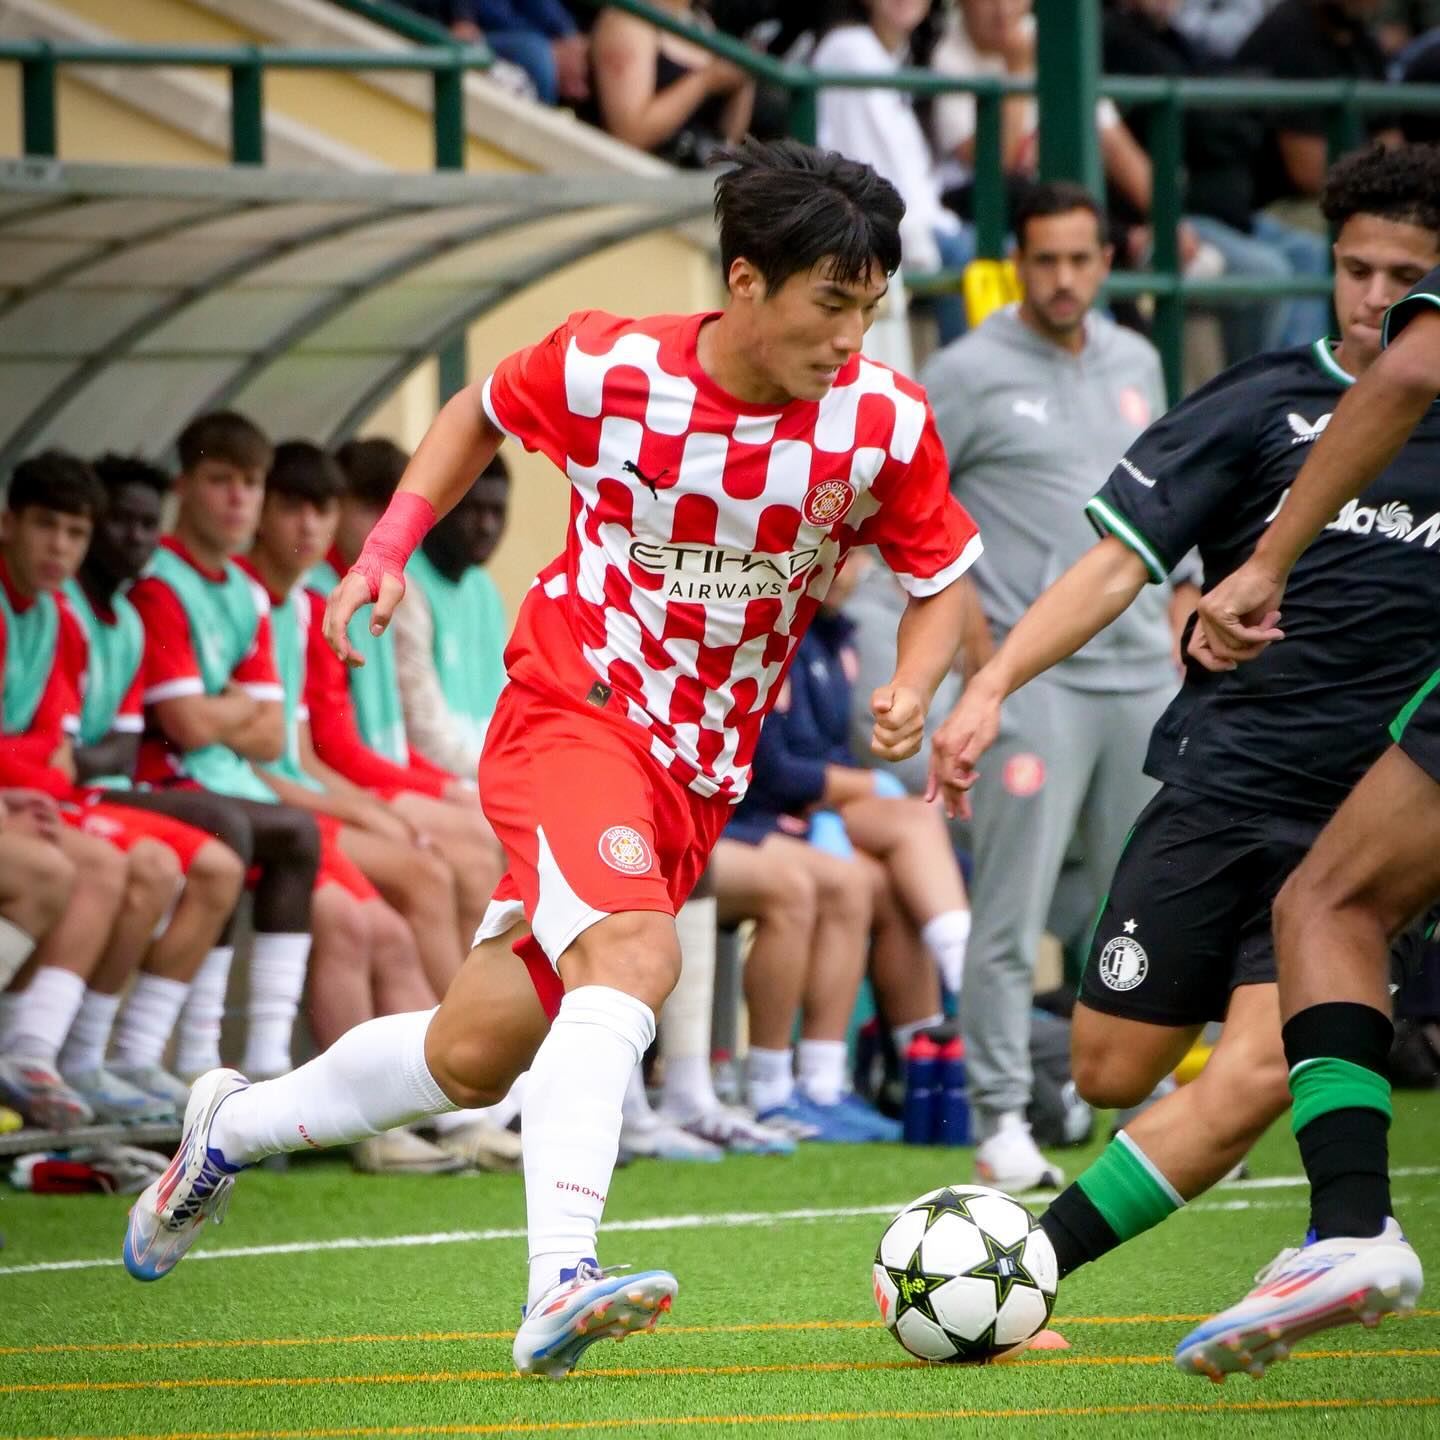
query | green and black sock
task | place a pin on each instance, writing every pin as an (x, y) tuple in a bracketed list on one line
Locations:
[(1120, 1196), (1339, 1055)]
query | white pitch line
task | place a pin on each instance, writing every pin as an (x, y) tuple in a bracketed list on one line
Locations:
[(733, 1219)]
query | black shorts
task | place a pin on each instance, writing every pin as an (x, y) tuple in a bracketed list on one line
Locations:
[(1187, 919), (1416, 729)]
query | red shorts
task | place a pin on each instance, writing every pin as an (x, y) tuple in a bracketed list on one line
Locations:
[(123, 826), (336, 867), (590, 823)]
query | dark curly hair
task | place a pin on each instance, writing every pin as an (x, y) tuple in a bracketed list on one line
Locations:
[(56, 480), (115, 471), (1401, 184)]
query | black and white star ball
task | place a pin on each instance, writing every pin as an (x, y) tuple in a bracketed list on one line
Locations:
[(964, 1274)]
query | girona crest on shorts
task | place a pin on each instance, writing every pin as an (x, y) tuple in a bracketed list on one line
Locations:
[(826, 502), (624, 848)]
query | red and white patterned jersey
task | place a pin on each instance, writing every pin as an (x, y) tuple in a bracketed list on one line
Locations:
[(706, 531)]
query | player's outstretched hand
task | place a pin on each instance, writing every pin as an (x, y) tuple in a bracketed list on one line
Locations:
[(899, 722), (967, 733), (346, 598), (1239, 617)]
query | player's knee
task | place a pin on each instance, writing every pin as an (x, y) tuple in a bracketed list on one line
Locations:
[(392, 942), (42, 879), (153, 872), (465, 1066), (636, 951), (297, 840), (843, 890), (229, 826), (790, 898), (217, 875), (431, 884), (1110, 1081), (340, 922)]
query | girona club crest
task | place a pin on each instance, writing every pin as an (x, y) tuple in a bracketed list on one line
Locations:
[(826, 502), (624, 849)]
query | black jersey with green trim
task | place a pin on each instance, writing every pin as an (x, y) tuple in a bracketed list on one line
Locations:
[(1297, 727), (1425, 295)]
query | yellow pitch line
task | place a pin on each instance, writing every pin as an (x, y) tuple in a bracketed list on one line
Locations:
[(431, 1337), (451, 1377), (382, 1432)]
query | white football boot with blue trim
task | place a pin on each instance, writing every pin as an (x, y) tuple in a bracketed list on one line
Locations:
[(589, 1304), (1323, 1284), (165, 1220)]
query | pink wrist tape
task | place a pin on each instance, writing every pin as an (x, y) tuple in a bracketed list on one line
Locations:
[(393, 540)]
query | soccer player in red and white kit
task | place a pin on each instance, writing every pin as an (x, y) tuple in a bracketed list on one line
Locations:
[(721, 467)]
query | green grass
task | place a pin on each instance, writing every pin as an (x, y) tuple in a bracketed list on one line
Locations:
[(411, 1340)]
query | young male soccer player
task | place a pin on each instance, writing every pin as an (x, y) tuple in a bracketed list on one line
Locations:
[(722, 465), (1252, 763), (1374, 868)]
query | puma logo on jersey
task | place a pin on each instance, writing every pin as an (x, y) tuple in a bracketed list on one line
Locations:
[(1033, 409), (1306, 431)]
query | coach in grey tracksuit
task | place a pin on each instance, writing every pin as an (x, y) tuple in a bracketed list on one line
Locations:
[(1032, 430)]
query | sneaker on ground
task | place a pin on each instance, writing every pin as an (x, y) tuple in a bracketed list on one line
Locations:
[(35, 1089), (827, 1124), (1010, 1160), (114, 1101), (481, 1145), (656, 1139), (398, 1152), (868, 1118), (165, 1221), (790, 1120), (734, 1130), (153, 1080), (589, 1304), (1321, 1285)]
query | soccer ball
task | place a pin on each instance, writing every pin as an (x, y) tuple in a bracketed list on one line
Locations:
[(964, 1275)]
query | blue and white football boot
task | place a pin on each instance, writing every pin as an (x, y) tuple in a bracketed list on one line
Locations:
[(166, 1218), (589, 1304), (1323, 1284)]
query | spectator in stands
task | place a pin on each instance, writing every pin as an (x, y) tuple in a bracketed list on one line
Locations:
[(661, 93), (213, 705), (1310, 40), (1219, 27), (1419, 64), (879, 127), (1401, 22), (1222, 152), (540, 36), (357, 719), (450, 635), (1034, 407)]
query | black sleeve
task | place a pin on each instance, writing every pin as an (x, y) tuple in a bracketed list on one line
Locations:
[(1182, 472), (1402, 312)]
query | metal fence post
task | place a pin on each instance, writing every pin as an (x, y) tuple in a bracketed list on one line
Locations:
[(1067, 73), (247, 113), (1344, 126), (803, 117), (990, 216), (451, 358), (37, 105), (1167, 148)]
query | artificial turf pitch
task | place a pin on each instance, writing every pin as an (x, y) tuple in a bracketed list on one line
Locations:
[(774, 1331)]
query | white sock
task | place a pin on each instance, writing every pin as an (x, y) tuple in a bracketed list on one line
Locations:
[(43, 1013), (769, 1078), (497, 1115), (636, 1107), (197, 1043), (89, 1036), (820, 1066), (16, 946), (277, 980), (572, 1117), (147, 1018), (902, 1035), (372, 1079), (946, 937), (685, 1020)]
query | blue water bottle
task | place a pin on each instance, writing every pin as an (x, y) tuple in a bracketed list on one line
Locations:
[(922, 1090), (954, 1106)]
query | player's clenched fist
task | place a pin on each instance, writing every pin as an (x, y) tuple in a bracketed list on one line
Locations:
[(899, 722), (967, 733), (346, 598)]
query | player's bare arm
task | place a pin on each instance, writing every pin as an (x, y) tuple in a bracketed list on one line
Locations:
[(1094, 591), (460, 443), (925, 646), (1240, 616)]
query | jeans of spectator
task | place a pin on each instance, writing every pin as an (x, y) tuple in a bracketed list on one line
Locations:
[(1309, 254), (531, 51), (957, 250)]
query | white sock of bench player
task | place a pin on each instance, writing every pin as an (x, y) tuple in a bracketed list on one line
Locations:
[(373, 1078), (197, 1032), (571, 1123), (689, 1091), (277, 981)]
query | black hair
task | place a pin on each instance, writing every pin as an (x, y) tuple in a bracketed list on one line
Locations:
[(372, 469), (1402, 184), (56, 480), (227, 436), (786, 207), (497, 469), (116, 471), (303, 471), (1054, 197)]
